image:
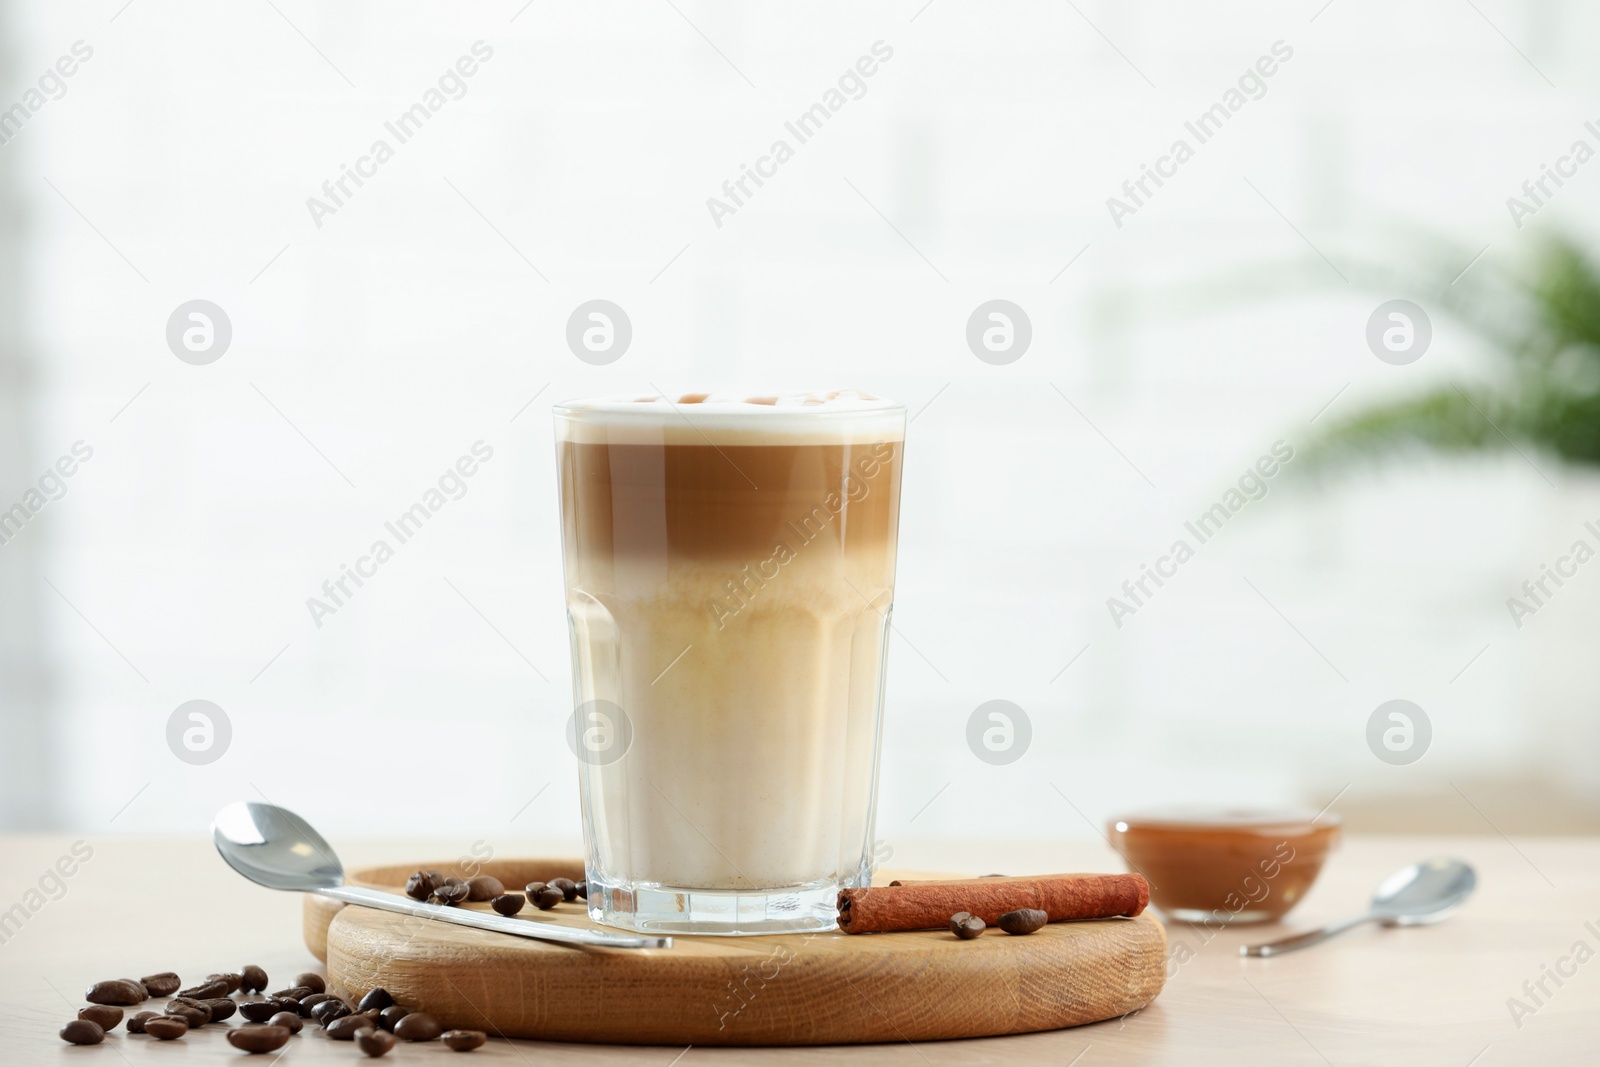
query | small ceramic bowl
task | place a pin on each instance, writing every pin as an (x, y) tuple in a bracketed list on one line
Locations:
[(1225, 865)]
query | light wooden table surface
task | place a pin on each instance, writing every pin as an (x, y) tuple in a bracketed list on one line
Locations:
[(1433, 995)]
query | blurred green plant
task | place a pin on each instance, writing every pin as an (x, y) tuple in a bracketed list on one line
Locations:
[(1541, 319)]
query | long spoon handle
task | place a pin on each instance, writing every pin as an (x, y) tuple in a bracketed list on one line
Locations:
[(1310, 937), (500, 924)]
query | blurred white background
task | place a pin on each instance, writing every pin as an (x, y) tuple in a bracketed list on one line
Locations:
[(429, 313)]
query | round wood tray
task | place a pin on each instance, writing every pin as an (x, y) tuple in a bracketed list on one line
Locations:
[(801, 989)]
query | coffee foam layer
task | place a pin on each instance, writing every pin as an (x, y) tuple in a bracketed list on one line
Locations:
[(842, 416)]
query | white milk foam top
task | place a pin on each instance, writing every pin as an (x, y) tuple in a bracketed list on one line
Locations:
[(839, 417)]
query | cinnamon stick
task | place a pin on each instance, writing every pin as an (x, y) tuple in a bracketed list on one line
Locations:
[(928, 905)]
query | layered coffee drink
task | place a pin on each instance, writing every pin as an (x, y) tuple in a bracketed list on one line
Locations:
[(729, 576)]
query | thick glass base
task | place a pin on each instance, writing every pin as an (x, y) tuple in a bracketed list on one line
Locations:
[(659, 909), (1218, 916)]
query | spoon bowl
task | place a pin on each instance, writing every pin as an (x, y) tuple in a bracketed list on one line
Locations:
[(276, 848)]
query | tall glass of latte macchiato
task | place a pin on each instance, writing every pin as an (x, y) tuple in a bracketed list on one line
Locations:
[(729, 575)]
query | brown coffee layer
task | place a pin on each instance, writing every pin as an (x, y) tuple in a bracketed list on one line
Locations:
[(680, 502)]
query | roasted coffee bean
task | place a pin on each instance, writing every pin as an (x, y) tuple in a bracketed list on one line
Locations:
[(569, 888), (1023, 920), (419, 886), (311, 1000), (374, 1042), (221, 1008), (345, 1027), (194, 1012), (288, 1020), (102, 1015), (483, 887), (205, 990), (120, 991), (508, 903), (136, 1022), (965, 926), (583, 889), (391, 1015), (418, 1026), (451, 879), (464, 1040), (328, 1011), (230, 979), (294, 992), (375, 1000), (533, 889), (994, 876), (548, 898), (451, 894), (161, 985), (258, 1038), (259, 1011), (82, 1032), (166, 1027), (312, 981), (252, 979)]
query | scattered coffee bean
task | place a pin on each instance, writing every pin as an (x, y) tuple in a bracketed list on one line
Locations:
[(569, 888), (548, 898), (464, 1040), (82, 1032), (194, 1012), (311, 1000), (966, 926), (102, 1015), (288, 1020), (391, 1015), (994, 876), (374, 1042), (205, 990), (375, 1000), (451, 879), (314, 982), (161, 985), (418, 1026), (258, 1038), (259, 1011), (252, 979), (483, 887), (508, 903), (533, 889), (451, 894), (166, 1027), (419, 886), (136, 1023), (1023, 920), (221, 1008), (345, 1027), (583, 889), (120, 991), (328, 1011), (228, 978)]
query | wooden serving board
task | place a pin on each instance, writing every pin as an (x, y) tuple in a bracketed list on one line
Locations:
[(800, 989)]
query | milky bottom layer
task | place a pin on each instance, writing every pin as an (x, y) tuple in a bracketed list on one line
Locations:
[(755, 722)]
